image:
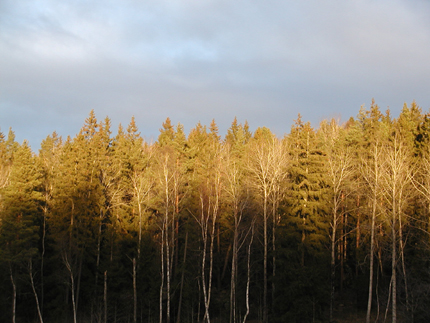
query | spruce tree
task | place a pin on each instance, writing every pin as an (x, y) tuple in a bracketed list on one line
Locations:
[(48, 159), (305, 226), (20, 219)]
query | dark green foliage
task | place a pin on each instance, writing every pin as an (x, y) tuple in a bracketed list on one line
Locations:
[(307, 199), (20, 208), (20, 220), (84, 208)]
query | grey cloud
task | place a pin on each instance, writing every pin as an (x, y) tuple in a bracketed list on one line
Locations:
[(197, 60)]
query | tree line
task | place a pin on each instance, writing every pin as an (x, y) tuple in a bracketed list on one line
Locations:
[(198, 228)]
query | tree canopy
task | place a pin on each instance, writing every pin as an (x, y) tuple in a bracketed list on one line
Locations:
[(327, 223)]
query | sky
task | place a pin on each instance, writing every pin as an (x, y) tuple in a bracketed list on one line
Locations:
[(197, 60)]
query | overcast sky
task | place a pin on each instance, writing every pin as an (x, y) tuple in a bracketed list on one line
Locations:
[(198, 60)]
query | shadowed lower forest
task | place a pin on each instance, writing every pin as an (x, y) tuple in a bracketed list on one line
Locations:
[(322, 225)]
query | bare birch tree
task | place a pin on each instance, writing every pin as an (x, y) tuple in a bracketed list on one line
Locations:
[(396, 183), (371, 172), (237, 192), (36, 297), (209, 196), (340, 169), (168, 180), (267, 164), (142, 184)]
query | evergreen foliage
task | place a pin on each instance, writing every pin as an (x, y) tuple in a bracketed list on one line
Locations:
[(250, 227)]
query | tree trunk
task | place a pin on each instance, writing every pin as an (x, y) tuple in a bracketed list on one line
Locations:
[(234, 267), (345, 248), (13, 294), (274, 209), (168, 271), (72, 285), (178, 320), (34, 291), (162, 272), (375, 187), (357, 237), (333, 258), (211, 252), (139, 244), (233, 275), (42, 261), (248, 273), (265, 312), (105, 297), (205, 297), (402, 256), (372, 251), (134, 292), (99, 242), (393, 269), (78, 285), (204, 224)]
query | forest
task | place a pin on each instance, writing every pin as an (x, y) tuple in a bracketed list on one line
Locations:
[(327, 224)]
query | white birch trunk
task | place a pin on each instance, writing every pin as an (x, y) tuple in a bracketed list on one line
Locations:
[(39, 313)]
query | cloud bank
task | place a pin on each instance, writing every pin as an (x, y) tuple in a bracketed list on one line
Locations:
[(193, 61)]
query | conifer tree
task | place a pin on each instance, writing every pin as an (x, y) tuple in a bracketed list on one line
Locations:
[(125, 224), (138, 156), (208, 181), (237, 137), (309, 187), (49, 162), (419, 228), (237, 194), (306, 224), (251, 227), (79, 207), (7, 150), (20, 217), (374, 132), (4, 163), (169, 191)]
